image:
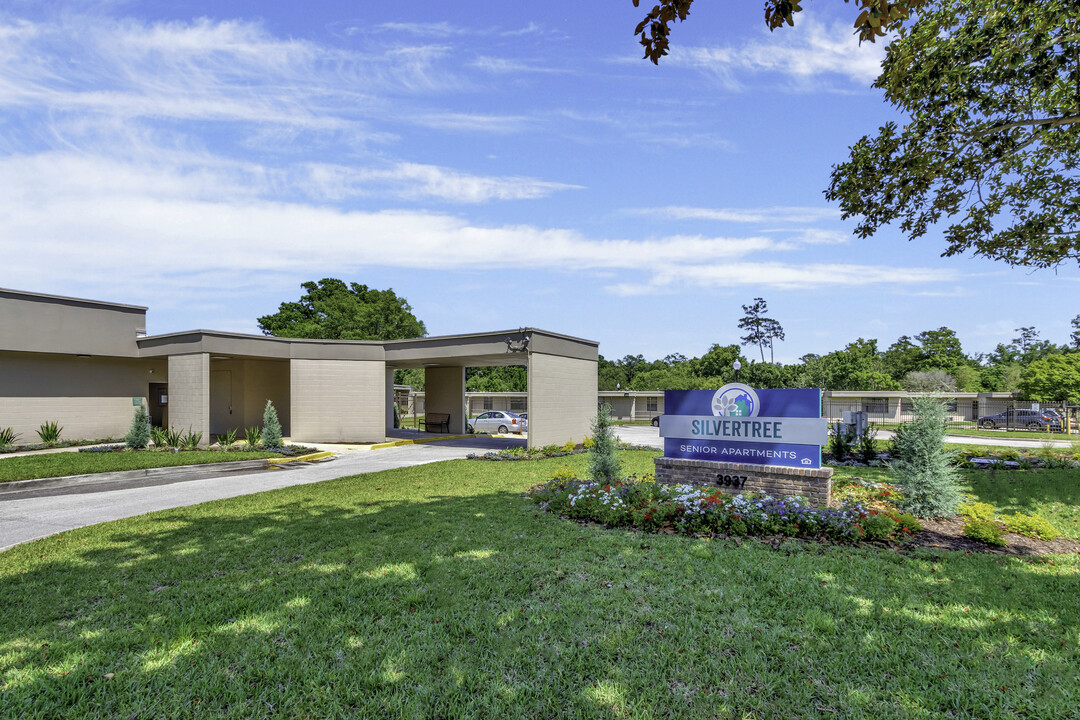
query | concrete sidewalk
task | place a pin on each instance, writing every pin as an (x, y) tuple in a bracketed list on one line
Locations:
[(34, 514)]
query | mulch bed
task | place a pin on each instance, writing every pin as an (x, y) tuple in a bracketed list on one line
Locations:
[(949, 535)]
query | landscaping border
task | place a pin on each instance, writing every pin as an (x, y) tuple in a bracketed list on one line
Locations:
[(206, 469), (814, 484)]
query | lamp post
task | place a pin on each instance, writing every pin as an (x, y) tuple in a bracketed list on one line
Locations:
[(737, 365)]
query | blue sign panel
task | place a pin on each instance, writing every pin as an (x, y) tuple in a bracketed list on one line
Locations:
[(755, 453), (740, 424)]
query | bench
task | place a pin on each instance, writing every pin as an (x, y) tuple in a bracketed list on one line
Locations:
[(437, 420)]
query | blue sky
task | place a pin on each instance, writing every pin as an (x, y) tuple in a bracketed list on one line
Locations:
[(497, 167)]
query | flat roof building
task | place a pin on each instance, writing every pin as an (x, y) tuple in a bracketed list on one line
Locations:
[(87, 364)]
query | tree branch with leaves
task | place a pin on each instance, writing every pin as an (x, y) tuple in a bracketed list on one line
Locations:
[(992, 88), (875, 18)]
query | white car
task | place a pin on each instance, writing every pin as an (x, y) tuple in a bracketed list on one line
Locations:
[(497, 421)]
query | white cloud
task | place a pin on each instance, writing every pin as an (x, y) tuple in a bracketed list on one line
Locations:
[(68, 218), (417, 181), (785, 276), (209, 71), (783, 214), (471, 122), (811, 50), (441, 29)]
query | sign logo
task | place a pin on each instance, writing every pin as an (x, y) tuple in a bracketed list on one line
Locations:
[(736, 400)]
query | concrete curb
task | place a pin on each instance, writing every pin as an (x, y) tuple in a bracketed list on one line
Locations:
[(223, 468), (415, 441)]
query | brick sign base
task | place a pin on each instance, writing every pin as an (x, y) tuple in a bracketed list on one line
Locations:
[(811, 483)]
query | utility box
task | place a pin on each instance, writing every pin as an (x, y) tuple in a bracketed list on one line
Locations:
[(857, 421)]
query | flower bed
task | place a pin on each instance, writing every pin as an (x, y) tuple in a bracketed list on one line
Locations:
[(285, 450), (5, 449), (512, 454), (685, 509)]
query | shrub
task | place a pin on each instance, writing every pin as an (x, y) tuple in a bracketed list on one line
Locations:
[(908, 522), (569, 446), (253, 436), (603, 457), (878, 526), (49, 432), (978, 511), (227, 440), (271, 429), (588, 443), (191, 440), (986, 531), (864, 445), (138, 436), (922, 466), (1034, 526), (841, 438), (7, 436), (159, 436), (174, 438)]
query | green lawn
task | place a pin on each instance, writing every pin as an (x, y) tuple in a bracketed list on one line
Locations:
[(1054, 494), (48, 465), (1021, 434), (440, 591)]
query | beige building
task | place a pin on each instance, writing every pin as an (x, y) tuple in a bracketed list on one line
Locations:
[(88, 364)]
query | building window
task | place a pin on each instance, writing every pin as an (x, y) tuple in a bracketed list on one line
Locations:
[(517, 404), (876, 406), (489, 403), (650, 404)]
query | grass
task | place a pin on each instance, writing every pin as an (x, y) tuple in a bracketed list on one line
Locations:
[(28, 467), (440, 591), (1054, 494), (1020, 434)]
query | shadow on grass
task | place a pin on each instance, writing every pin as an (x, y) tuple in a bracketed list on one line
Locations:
[(1027, 489), (325, 601)]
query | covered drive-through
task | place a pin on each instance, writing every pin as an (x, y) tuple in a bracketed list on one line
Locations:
[(87, 364)]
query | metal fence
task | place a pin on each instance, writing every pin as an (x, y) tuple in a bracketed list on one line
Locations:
[(1006, 415)]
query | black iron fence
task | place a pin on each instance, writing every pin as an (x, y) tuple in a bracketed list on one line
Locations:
[(1006, 415)]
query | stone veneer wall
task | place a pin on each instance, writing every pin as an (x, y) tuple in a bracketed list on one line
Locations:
[(814, 484)]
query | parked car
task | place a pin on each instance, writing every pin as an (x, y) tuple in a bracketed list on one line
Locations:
[(524, 421), (497, 421), (1061, 418), (1030, 419), (656, 421)]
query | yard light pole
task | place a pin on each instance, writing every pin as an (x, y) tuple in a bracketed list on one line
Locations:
[(737, 365)]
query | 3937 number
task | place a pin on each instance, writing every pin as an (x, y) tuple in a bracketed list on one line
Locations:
[(731, 480)]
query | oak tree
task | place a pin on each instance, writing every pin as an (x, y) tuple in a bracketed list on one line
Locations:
[(332, 310), (992, 144), (991, 147)]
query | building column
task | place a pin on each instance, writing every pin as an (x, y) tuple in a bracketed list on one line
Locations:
[(338, 401), (189, 394), (562, 398), (390, 399), (444, 392)]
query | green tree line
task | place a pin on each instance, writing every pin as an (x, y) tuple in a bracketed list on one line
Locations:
[(930, 361)]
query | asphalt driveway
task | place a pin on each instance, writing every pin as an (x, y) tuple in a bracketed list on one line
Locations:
[(29, 515)]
